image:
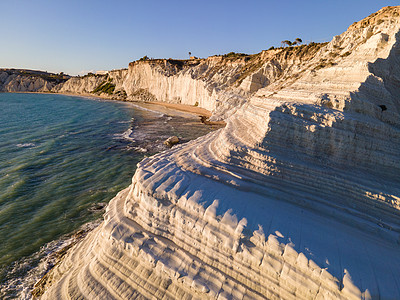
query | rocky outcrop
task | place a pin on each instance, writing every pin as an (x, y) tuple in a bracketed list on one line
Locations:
[(171, 141), (296, 198)]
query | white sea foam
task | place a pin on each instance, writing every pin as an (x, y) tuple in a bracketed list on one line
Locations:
[(125, 135), (26, 145), (37, 265), (126, 122), (141, 150), (147, 109)]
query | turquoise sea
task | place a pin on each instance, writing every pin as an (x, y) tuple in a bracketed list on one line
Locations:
[(62, 158)]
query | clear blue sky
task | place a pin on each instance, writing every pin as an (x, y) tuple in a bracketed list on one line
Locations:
[(78, 36)]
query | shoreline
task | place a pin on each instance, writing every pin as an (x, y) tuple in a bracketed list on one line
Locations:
[(74, 237), (160, 106)]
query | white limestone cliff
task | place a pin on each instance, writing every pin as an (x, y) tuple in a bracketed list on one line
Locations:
[(298, 197), (27, 81), (221, 84), (80, 85)]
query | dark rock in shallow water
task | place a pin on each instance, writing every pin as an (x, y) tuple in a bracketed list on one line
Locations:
[(97, 207), (173, 140)]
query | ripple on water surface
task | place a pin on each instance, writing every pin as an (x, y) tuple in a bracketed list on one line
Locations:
[(60, 155)]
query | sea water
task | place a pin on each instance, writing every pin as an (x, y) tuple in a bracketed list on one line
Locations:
[(61, 159)]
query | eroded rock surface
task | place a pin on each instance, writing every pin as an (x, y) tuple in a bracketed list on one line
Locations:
[(298, 197)]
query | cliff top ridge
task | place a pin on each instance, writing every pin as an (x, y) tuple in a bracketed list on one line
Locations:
[(387, 13)]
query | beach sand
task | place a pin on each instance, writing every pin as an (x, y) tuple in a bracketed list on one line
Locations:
[(163, 107)]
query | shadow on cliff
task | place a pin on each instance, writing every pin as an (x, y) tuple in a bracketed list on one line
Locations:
[(348, 170), (389, 71), (359, 152)]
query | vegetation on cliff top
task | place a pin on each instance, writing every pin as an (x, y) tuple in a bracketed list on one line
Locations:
[(50, 77)]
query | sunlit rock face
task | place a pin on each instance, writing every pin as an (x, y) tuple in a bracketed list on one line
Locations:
[(298, 197), (80, 85), (221, 84)]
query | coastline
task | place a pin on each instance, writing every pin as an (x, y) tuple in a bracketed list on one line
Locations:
[(163, 107), (296, 198), (74, 238)]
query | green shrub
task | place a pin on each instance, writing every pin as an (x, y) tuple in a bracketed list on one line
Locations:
[(121, 93), (105, 87), (234, 55)]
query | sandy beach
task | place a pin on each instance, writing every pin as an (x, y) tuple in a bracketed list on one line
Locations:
[(173, 109), (163, 107)]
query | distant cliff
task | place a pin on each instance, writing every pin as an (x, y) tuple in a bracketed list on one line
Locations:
[(220, 84), (19, 80)]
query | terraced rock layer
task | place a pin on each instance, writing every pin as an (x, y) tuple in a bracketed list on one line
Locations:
[(298, 197)]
